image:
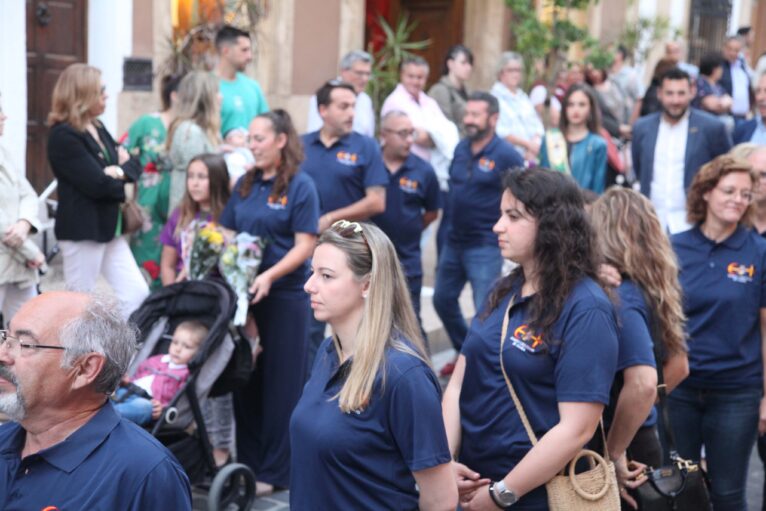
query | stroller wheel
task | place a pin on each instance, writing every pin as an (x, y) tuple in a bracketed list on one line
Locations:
[(233, 488)]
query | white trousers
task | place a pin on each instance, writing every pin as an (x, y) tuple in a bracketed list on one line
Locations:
[(12, 297), (84, 261)]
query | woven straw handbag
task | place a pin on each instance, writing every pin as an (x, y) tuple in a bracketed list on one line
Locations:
[(595, 489)]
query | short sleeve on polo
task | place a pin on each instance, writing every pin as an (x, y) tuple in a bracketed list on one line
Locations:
[(415, 414)]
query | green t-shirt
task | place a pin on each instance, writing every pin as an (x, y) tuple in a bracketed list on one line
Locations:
[(243, 99)]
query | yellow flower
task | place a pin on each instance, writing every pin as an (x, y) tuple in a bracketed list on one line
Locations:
[(216, 238)]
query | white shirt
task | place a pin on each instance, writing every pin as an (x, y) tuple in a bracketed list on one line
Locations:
[(518, 116), (364, 116), (668, 194), (740, 93), (425, 114)]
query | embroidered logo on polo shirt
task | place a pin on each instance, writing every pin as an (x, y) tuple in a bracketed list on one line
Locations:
[(408, 185), (280, 203), (486, 165), (50, 508), (524, 340), (740, 273), (347, 158)]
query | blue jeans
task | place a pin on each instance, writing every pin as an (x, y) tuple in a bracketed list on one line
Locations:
[(134, 408), (415, 285), (480, 266), (726, 423), (443, 232)]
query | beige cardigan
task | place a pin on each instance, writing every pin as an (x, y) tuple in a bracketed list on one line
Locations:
[(18, 201)]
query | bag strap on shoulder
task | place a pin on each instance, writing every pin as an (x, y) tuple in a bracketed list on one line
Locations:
[(515, 397)]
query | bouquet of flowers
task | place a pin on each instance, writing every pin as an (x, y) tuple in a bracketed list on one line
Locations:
[(239, 265), (206, 247)]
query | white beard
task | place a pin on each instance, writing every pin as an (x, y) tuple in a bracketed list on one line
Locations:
[(12, 405)]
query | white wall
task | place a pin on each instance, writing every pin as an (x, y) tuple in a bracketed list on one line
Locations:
[(110, 40), (13, 79)]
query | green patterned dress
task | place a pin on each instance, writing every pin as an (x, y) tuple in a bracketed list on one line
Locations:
[(146, 140)]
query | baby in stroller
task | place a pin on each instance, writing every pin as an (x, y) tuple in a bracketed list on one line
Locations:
[(157, 379)]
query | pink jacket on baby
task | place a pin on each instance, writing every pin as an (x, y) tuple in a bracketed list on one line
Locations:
[(166, 381)]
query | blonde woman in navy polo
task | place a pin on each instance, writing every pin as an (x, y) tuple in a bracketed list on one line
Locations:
[(560, 350), (368, 431), (722, 263)]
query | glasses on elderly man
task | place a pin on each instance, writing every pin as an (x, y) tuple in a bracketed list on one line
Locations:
[(14, 344)]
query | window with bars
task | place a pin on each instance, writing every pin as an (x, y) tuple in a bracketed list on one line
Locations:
[(708, 22)]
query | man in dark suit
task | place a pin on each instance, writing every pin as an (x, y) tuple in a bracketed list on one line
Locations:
[(754, 130), (670, 146), (736, 78)]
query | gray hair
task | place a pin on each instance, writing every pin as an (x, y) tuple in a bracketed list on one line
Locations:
[(100, 329), (745, 150), (415, 60), (505, 58), (354, 56), (392, 114)]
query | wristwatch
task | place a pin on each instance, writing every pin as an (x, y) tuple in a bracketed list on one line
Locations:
[(501, 495)]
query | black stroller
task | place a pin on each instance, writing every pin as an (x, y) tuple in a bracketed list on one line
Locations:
[(223, 363)]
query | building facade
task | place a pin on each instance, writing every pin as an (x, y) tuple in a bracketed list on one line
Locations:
[(298, 44)]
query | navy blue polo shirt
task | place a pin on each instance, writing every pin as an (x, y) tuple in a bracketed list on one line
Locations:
[(109, 463), (577, 364), (411, 190), (365, 460), (475, 183), (724, 288), (343, 172), (634, 326), (276, 220)]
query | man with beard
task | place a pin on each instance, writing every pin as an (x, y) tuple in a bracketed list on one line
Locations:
[(471, 252), (68, 448), (413, 198), (241, 96), (346, 167), (670, 146)]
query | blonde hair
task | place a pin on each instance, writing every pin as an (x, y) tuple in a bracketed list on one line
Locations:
[(631, 239), (77, 89), (388, 317), (196, 328), (197, 102)]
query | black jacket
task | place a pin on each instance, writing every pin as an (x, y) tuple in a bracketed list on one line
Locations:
[(89, 200)]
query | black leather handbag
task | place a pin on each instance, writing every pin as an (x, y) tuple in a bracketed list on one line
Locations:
[(682, 485)]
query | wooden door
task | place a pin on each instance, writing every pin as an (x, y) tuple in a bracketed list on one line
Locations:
[(56, 37), (441, 21)]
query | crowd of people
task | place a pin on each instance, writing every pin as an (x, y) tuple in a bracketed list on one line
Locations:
[(612, 288)]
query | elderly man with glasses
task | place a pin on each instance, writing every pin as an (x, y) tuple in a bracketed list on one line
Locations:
[(67, 447)]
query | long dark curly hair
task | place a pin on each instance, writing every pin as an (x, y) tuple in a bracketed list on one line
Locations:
[(565, 244)]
